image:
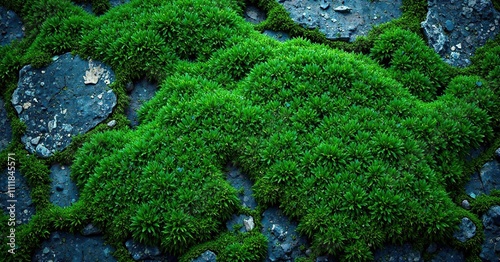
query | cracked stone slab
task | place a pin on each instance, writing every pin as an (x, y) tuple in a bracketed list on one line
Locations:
[(5, 128), (63, 190), (58, 102), (342, 20), (11, 27), (456, 28), (20, 193)]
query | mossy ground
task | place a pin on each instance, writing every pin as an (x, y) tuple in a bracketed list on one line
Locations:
[(362, 143)]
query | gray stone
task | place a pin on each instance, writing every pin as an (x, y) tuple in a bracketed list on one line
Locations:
[(241, 181), (467, 22), (64, 190), (254, 14), (74, 247), (91, 230), (335, 21), (64, 106), (129, 87), (474, 187), (5, 128), (490, 176), (249, 224), (491, 223), (342, 9), (112, 123), (237, 222), (466, 231), (207, 256), (11, 27), (284, 241), (142, 92), (466, 204)]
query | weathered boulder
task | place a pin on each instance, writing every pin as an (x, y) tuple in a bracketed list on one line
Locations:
[(66, 98)]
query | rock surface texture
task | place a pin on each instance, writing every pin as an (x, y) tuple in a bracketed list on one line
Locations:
[(140, 92), (466, 230), (240, 181), (342, 20), (207, 256), (5, 128), (284, 241), (23, 206), (63, 191), (456, 28), (487, 180), (11, 27), (62, 246), (491, 244), (66, 98)]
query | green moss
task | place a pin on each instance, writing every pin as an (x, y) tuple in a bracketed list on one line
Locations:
[(336, 140)]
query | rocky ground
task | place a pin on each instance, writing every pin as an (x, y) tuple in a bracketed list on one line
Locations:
[(71, 96)]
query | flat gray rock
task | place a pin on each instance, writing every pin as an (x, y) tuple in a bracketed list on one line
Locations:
[(11, 27), (5, 128), (491, 245), (17, 199), (69, 97), (62, 246), (456, 28), (342, 21), (63, 191)]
